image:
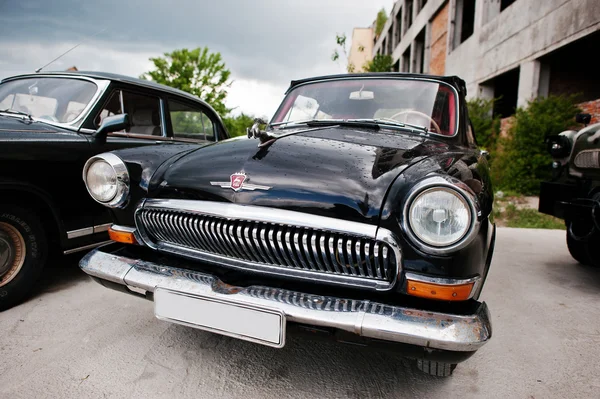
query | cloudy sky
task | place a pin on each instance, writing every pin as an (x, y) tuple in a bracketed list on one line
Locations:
[(265, 43)]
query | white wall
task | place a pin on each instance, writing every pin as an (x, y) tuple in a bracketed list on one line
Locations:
[(521, 33)]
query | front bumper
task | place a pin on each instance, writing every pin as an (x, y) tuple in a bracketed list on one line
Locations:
[(460, 333)]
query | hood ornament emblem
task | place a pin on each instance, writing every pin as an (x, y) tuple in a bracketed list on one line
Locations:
[(254, 132), (238, 182)]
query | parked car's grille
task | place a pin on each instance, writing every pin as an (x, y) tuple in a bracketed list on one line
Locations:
[(321, 253), (588, 159)]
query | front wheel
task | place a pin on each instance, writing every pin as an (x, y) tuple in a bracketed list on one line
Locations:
[(578, 249), (23, 248)]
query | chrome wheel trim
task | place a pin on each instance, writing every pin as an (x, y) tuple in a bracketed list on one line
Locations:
[(12, 253)]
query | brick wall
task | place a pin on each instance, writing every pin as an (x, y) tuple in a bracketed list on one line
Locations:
[(439, 33), (593, 108)]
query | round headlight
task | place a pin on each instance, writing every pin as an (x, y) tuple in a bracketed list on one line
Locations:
[(101, 180), (440, 216), (107, 179)]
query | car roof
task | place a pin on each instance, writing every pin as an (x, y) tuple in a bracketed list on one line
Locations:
[(115, 78), (455, 81)]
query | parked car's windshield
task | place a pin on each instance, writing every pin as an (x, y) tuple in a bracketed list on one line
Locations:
[(423, 103), (53, 99)]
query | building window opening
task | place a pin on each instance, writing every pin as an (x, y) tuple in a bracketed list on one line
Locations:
[(406, 60), (468, 20), (408, 15), (398, 32), (505, 3), (506, 91), (419, 61)]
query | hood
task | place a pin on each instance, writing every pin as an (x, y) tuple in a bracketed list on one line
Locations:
[(338, 172), (23, 139)]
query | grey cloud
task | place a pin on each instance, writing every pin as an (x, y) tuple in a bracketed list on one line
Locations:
[(270, 41)]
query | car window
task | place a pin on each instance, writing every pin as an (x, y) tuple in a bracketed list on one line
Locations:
[(432, 105), (59, 100), (143, 110), (190, 122)]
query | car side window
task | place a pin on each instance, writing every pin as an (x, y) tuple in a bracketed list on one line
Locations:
[(112, 107), (190, 122), (143, 110)]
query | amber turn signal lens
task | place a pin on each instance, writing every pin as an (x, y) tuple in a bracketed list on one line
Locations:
[(126, 237), (441, 292)]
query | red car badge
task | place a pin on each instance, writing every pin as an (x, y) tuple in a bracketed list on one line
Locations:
[(238, 182)]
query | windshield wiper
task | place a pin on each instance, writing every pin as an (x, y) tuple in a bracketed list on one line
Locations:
[(15, 112), (393, 122), (368, 123)]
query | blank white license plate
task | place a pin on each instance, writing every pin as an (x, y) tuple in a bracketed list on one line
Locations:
[(263, 326)]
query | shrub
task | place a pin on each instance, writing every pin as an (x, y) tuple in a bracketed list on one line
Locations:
[(523, 161), (236, 125), (486, 126)]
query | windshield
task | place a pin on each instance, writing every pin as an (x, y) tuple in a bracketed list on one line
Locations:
[(53, 99), (427, 104)]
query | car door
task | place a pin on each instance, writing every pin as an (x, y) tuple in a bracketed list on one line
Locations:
[(146, 115)]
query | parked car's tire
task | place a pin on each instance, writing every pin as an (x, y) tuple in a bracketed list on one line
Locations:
[(578, 249), (437, 369), (23, 251)]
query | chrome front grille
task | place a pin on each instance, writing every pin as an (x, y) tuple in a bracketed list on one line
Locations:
[(292, 250), (588, 159)]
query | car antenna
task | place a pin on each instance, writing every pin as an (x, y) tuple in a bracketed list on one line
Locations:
[(69, 50)]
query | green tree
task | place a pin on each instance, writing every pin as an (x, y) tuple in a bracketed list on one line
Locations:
[(236, 125), (523, 160), (380, 21), (380, 63), (486, 126), (196, 71), (340, 41)]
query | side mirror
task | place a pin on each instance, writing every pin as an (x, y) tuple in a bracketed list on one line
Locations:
[(111, 124), (583, 118)]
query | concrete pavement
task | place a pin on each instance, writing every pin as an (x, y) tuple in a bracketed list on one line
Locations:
[(76, 339)]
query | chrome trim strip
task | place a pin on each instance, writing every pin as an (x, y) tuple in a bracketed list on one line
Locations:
[(262, 214), (86, 231), (457, 186), (477, 281), (102, 227), (85, 247), (122, 194), (365, 318)]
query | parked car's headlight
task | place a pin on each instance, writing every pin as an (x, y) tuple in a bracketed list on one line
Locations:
[(107, 179), (439, 216)]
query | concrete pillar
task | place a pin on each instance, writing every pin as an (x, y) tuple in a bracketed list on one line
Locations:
[(529, 82)]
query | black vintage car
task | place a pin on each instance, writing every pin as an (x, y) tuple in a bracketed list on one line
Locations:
[(361, 212), (50, 124), (574, 192)]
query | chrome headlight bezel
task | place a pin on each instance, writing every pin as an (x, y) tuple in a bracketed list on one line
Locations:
[(119, 200), (463, 192)]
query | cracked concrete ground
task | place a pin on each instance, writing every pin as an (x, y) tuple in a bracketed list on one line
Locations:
[(76, 339)]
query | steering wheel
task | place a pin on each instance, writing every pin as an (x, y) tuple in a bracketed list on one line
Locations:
[(412, 111)]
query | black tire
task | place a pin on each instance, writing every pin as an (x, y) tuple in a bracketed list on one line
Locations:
[(437, 369), (578, 250), (23, 252)]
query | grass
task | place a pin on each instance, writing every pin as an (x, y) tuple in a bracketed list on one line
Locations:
[(507, 214)]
